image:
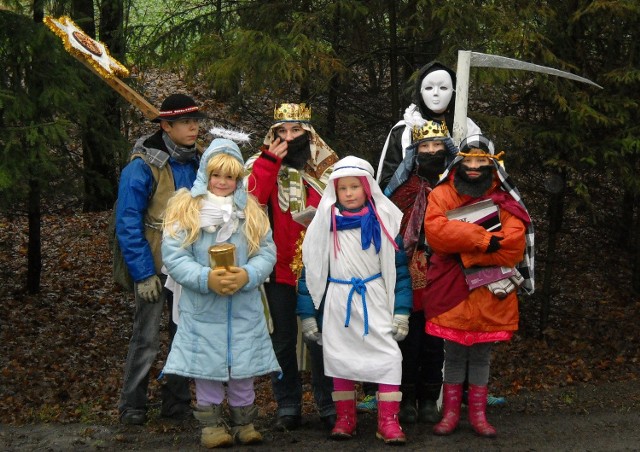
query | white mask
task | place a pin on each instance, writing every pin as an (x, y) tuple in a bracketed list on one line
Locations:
[(436, 90)]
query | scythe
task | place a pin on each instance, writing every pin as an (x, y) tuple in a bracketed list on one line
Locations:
[(466, 59)]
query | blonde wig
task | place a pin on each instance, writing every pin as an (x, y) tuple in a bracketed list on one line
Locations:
[(183, 210)]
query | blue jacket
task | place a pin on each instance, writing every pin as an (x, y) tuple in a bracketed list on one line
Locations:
[(219, 336), (403, 290), (134, 192)]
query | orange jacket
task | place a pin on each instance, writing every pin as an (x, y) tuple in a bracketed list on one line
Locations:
[(480, 311)]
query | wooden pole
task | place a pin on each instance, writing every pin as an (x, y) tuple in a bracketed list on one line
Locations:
[(128, 93), (462, 96)]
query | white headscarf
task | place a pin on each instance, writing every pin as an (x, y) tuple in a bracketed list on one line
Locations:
[(317, 242)]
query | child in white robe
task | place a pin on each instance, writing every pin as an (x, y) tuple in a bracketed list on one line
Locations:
[(356, 289)]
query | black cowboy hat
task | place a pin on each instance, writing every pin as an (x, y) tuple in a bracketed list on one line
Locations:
[(178, 106)]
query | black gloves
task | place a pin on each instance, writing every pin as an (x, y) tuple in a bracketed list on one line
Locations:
[(494, 244)]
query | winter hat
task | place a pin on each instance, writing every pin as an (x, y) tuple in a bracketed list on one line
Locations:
[(178, 106), (219, 146)]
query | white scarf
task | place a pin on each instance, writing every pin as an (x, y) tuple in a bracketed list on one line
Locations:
[(218, 213)]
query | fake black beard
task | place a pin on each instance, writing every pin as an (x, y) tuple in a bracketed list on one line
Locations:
[(473, 187), (429, 166), (298, 152)]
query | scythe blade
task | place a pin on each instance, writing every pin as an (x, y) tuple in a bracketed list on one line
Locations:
[(467, 59)]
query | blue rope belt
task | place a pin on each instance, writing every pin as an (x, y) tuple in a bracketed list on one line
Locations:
[(357, 285)]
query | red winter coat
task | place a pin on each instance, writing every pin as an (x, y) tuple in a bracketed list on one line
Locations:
[(263, 184)]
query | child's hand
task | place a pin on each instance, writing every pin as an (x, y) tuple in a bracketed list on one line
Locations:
[(234, 280), (400, 327), (215, 281)]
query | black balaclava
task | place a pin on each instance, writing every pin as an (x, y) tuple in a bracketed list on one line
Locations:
[(426, 112), (430, 166), (298, 152), (473, 187)]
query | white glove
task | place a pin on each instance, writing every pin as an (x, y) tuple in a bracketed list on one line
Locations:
[(413, 118), (310, 329), (400, 327), (149, 289)]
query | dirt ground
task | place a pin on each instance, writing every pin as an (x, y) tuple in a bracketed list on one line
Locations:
[(577, 418)]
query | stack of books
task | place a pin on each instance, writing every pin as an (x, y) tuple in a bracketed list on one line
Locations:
[(486, 214)]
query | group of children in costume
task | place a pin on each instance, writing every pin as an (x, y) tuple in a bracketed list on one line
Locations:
[(377, 267)]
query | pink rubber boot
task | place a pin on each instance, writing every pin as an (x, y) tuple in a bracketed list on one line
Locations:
[(346, 417), (477, 411), (451, 401), (389, 429)]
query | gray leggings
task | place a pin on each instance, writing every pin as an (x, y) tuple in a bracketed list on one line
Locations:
[(458, 358)]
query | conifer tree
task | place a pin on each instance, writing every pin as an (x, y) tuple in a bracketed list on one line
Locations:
[(39, 97)]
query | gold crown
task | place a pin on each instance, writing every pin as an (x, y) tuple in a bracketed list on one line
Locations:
[(292, 112), (430, 130)]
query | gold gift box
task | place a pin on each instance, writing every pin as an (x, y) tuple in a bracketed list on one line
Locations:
[(222, 256)]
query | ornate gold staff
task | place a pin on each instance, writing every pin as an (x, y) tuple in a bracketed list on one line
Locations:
[(96, 57)]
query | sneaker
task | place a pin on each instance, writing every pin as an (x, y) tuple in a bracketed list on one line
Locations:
[(367, 405), (491, 400), (495, 401)]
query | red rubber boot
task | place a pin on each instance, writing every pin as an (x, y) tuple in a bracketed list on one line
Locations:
[(478, 411), (451, 401)]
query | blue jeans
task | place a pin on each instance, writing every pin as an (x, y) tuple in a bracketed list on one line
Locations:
[(287, 388), (143, 350)]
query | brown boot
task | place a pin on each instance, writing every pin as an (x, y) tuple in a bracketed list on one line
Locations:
[(478, 411), (242, 428), (214, 431), (346, 417)]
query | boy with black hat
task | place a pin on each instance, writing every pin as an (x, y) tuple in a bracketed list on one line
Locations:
[(160, 164)]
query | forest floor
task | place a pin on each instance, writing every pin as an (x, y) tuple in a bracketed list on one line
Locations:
[(570, 386), (570, 378)]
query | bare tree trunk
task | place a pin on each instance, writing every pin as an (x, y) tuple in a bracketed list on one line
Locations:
[(393, 59), (626, 237), (332, 102), (635, 242), (100, 177), (34, 248)]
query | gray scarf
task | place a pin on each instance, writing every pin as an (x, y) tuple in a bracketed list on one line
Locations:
[(179, 153)]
